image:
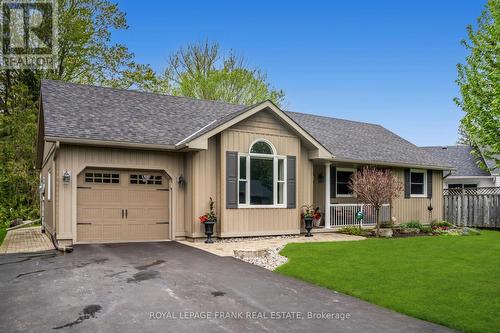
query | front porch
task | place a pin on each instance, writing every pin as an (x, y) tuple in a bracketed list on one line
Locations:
[(337, 205)]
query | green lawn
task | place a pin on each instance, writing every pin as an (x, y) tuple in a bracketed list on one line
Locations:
[(3, 232), (450, 280)]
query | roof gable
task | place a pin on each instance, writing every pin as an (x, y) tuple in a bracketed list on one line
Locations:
[(200, 141)]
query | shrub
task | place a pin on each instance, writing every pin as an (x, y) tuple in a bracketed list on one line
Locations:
[(412, 225), (439, 231), (426, 229), (386, 224), (352, 230), (441, 224)]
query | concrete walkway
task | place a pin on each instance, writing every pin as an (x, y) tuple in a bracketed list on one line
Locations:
[(24, 240), (225, 248)]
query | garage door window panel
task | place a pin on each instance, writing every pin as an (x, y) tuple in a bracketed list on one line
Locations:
[(136, 179), (102, 177)]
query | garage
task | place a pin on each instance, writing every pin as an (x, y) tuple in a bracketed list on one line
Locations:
[(122, 205)]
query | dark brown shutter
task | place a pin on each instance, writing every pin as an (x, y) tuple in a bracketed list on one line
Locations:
[(429, 183), (291, 182), (333, 182), (231, 179), (407, 183)]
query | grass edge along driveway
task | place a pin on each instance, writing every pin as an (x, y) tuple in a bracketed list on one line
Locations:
[(449, 280), (3, 233)]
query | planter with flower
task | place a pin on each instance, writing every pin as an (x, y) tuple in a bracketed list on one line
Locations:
[(308, 216), (209, 219), (317, 217)]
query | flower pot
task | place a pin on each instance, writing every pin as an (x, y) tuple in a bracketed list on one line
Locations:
[(209, 231), (308, 221), (317, 222)]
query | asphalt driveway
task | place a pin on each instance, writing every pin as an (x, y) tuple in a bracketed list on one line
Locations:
[(170, 287)]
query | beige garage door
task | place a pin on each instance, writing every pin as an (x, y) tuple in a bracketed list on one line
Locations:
[(117, 205)]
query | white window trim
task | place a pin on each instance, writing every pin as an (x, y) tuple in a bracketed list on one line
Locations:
[(424, 172), (275, 157), (337, 180), (262, 140), (49, 185)]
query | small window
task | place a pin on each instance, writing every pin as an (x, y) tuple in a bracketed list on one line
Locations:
[(146, 179), (242, 181), (343, 180), (461, 186), (49, 185), (261, 147), (280, 182), (418, 183), (102, 177)]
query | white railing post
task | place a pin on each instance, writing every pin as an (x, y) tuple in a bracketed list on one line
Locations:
[(363, 214), (328, 221)]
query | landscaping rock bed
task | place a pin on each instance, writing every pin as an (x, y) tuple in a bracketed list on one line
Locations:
[(270, 260), (241, 239)]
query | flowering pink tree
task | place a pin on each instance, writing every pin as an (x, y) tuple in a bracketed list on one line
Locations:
[(376, 187)]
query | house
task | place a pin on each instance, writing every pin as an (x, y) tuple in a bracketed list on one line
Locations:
[(121, 165), (467, 172)]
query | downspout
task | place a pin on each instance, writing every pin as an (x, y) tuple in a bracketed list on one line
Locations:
[(60, 247), (54, 236), (42, 202)]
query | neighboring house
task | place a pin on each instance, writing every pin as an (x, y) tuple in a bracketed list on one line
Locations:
[(120, 165), (466, 173)]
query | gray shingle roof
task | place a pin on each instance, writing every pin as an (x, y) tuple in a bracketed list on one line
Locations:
[(352, 140), (460, 158), (97, 113)]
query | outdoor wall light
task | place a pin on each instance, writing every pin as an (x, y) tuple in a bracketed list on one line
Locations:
[(181, 181), (66, 177), (41, 188), (321, 178)]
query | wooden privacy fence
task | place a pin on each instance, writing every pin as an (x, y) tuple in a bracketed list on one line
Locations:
[(478, 207)]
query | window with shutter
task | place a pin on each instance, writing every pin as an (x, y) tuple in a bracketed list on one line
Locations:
[(262, 177), (418, 183)]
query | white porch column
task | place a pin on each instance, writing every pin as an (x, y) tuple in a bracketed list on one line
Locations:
[(327, 196)]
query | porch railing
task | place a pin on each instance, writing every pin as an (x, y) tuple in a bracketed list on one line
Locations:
[(345, 214)]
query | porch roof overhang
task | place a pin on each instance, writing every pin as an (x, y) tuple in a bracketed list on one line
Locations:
[(384, 164)]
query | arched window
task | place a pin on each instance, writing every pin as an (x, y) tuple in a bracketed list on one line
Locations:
[(262, 147), (262, 176)]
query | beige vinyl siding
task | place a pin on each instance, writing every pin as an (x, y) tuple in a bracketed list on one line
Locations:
[(201, 180), (319, 189), (406, 209), (403, 209), (263, 221), (75, 159)]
